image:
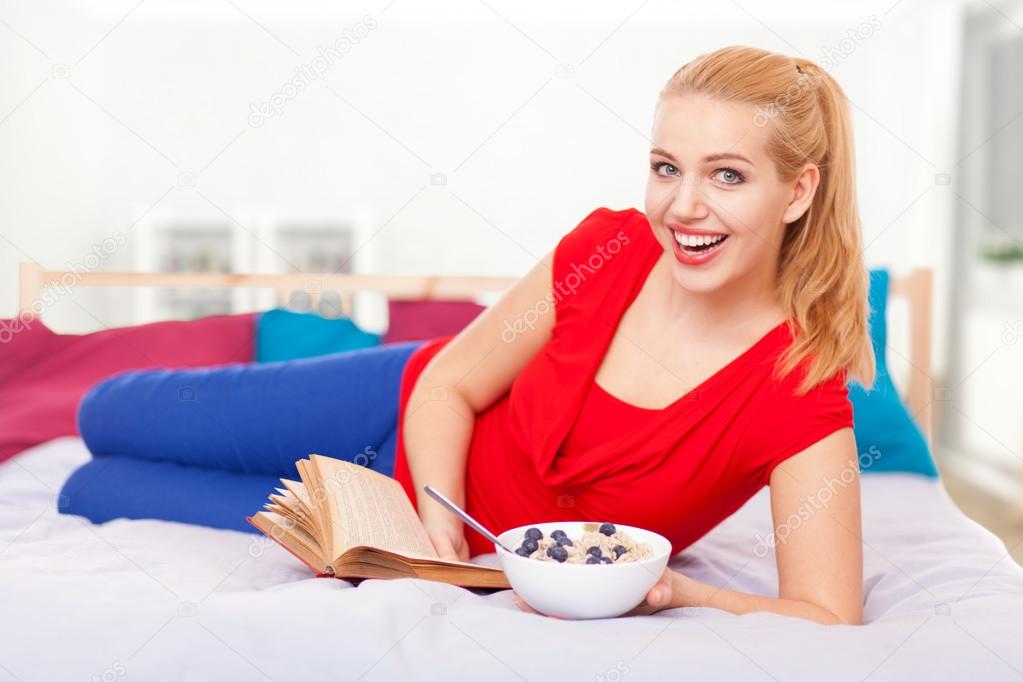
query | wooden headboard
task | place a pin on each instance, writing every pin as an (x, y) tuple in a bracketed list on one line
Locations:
[(916, 288)]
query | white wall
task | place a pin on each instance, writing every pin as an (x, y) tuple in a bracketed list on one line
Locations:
[(467, 89)]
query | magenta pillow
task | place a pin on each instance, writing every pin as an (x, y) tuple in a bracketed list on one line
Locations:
[(416, 320), (43, 375)]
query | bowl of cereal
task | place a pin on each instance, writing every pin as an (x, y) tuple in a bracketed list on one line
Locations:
[(581, 569)]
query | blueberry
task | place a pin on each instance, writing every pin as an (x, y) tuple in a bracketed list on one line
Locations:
[(564, 540), (557, 552), (555, 534), (534, 534), (607, 528), (606, 560), (618, 550), (594, 551), (530, 544), (522, 551), (592, 560)]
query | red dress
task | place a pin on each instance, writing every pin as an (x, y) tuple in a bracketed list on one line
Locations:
[(602, 418), (557, 447)]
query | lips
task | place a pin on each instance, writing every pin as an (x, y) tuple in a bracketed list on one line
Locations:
[(690, 249), (682, 229)]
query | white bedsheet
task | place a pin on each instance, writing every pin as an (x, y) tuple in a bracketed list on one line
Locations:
[(153, 600)]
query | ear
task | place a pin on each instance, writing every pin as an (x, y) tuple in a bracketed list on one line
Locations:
[(802, 193)]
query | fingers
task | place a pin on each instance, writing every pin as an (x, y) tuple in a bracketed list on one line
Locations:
[(449, 554), (523, 606), (642, 610), (659, 597), (444, 549), (655, 597), (660, 594), (450, 548)]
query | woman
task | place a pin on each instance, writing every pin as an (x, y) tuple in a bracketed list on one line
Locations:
[(655, 373), (655, 369)]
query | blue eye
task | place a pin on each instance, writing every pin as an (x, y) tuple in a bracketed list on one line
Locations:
[(734, 177), (656, 166), (738, 176)]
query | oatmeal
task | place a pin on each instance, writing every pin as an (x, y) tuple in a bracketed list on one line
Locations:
[(603, 544)]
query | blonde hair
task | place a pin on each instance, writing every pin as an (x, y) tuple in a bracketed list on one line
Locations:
[(822, 279)]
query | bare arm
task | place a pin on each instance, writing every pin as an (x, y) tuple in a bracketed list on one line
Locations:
[(815, 504), (469, 374)]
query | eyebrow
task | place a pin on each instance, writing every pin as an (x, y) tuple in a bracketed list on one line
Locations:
[(706, 159)]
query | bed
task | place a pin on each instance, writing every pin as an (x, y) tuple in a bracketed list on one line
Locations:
[(157, 600), (148, 599)]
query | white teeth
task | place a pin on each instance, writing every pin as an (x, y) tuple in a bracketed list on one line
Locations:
[(690, 240)]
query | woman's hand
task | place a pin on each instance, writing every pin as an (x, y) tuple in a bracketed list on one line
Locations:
[(448, 537), (671, 591)]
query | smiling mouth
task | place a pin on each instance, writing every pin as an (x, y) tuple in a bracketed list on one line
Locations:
[(698, 244)]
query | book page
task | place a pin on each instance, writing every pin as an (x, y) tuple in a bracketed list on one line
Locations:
[(289, 536), (288, 506), (368, 508), (298, 499), (311, 486), (298, 490)]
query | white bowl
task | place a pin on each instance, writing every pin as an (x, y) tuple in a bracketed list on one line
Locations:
[(579, 591)]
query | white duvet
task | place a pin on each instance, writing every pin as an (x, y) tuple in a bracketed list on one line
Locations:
[(153, 600)]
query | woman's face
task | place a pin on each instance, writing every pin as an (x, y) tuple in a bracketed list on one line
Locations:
[(710, 173)]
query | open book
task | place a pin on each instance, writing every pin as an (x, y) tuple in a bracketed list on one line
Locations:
[(347, 521)]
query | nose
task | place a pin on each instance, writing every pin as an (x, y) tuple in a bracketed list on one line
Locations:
[(686, 202)]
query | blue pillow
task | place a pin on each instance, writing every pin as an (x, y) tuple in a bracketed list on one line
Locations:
[(287, 335), (887, 437)]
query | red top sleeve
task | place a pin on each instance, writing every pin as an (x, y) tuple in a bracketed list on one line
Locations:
[(588, 249), (787, 424)]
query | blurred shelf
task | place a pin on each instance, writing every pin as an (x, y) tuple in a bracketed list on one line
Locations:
[(181, 244)]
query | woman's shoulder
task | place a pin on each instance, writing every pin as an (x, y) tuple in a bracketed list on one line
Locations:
[(602, 238), (783, 391), (786, 421), (601, 225)]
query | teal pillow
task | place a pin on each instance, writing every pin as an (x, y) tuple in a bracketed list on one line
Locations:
[(287, 335), (887, 437)]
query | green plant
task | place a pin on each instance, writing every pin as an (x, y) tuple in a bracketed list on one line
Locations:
[(1005, 254)]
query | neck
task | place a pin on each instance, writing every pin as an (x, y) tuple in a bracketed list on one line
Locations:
[(747, 304)]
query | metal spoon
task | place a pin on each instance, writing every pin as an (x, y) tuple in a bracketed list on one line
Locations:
[(435, 494)]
